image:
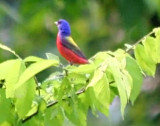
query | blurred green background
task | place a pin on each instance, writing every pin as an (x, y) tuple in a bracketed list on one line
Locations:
[(27, 26)]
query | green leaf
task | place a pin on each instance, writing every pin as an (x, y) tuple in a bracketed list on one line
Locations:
[(4, 47), (51, 56), (36, 120), (127, 81), (53, 116), (64, 89), (118, 77), (135, 72), (10, 71), (33, 109), (76, 78), (66, 122), (144, 60), (5, 68), (157, 39), (33, 59), (54, 76), (151, 49), (99, 91), (113, 93), (5, 124), (73, 106), (83, 69), (12, 77), (24, 95), (99, 57), (34, 69), (6, 109), (120, 55)]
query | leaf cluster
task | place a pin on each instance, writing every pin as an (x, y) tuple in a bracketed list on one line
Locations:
[(65, 97)]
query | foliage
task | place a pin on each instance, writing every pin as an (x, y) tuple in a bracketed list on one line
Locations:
[(66, 95)]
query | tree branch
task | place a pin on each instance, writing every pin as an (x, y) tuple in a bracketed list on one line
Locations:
[(140, 40), (77, 93), (53, 103)]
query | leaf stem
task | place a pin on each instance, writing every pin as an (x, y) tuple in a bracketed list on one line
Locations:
[(4, 47), (77, 93), (38, 87)]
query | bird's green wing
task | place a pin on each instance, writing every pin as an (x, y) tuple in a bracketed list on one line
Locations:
[(69, 43)]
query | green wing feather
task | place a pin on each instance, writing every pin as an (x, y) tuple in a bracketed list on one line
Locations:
[(69, 43)]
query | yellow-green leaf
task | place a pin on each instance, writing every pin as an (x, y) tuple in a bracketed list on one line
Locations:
[(120, 83), (99, 91), (135, 72), (144, 60), (35, 68)]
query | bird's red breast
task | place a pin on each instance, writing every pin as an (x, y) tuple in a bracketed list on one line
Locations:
[(68, 53)]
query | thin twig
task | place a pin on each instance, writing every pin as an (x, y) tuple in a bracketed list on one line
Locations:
[(38, 87), (29, 117), (77, 93), (140, 40)]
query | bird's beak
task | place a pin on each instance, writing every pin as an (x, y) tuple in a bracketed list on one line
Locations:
[(56, 22)]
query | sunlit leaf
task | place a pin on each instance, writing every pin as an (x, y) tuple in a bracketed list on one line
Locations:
[(10, 71), (35, 68), (64, 89), (36, 120), (51, 56), (127, 81), (5, 123), (6, 109), (150, 47), (99, 91), (83, 69), (24, 95), (144, 60), (32, 59), (76, 78), (66, 122), (72, 107), (33, 110), (54, 116), (5, 68), (136, 75), (120, 84), (12, 77), (157, 39), (99, 57), (120, 55)]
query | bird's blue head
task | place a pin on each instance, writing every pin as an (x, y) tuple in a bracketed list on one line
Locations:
[(63, 27)]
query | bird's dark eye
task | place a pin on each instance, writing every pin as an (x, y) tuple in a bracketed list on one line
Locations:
[(59, 22)]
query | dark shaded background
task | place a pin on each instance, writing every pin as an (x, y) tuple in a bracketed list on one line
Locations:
[(27, 26)]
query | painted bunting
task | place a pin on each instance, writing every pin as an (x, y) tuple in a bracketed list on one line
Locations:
[(66, 45)]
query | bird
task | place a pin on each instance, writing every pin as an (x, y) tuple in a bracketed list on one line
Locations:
[(66, 45)]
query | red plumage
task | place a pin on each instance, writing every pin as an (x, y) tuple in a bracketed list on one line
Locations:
[(68, 54)]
